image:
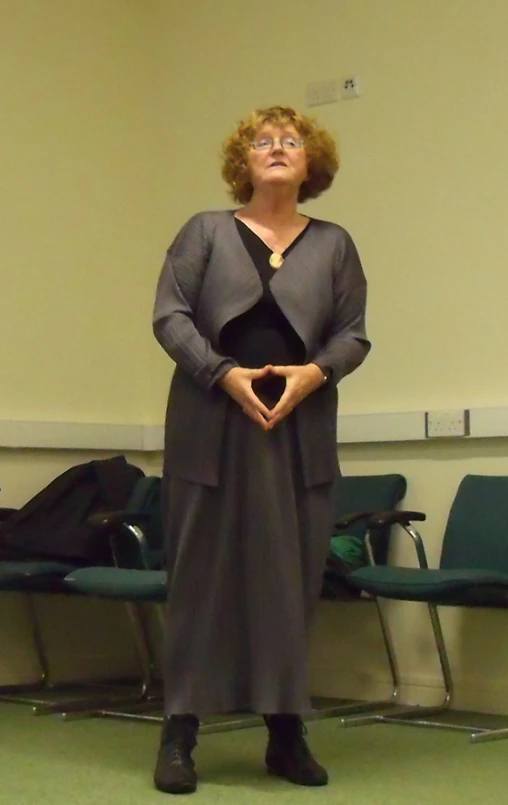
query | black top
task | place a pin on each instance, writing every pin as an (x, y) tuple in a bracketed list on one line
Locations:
[(263, 335)]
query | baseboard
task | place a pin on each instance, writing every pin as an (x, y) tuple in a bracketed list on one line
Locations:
[(476, 695)]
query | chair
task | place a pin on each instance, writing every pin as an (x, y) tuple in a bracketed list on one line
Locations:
[(130, 582), (365, 494), (29, 578), (473, 571), (20, 577)]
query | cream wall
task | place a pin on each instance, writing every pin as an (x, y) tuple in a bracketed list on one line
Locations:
[(79, 215), (114, 118)]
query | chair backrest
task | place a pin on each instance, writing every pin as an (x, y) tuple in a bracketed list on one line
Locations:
[(145, 499), (476, 535), (359, 493)]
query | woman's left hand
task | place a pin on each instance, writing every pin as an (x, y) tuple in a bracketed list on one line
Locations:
[(300, 382)]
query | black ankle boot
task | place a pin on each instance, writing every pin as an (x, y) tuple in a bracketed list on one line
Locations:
[(174, 772), (288, 755)]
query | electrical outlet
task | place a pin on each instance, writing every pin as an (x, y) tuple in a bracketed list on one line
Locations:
[(321, 92), (350, 88), (446, 424)]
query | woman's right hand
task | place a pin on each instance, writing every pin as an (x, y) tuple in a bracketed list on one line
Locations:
[(238, 384)]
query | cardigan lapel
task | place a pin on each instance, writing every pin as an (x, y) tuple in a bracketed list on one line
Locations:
[(232, 284), (301, 286)]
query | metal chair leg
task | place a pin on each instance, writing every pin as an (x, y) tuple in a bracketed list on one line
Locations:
[(85, 706), (43, 686), (482, 735), (152, 697), (14, 693), (418, 715), (413, 714), (391, 701), (332, 711)]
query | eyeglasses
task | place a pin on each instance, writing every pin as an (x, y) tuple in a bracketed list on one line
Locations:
[(288, 143)]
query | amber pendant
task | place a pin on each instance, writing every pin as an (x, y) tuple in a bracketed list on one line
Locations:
[(276, 260)]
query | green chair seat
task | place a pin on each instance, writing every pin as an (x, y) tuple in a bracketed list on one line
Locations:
[(420, 584), (119, 584), (20, 575)]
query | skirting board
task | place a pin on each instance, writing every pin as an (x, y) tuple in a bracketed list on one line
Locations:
[(477, 695), (404, 426)]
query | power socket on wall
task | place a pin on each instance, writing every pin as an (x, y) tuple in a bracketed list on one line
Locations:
[(321, 92), (350, 88), (331, 90), (447, 424)]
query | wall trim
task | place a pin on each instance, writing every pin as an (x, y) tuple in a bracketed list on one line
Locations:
[(400, 426)]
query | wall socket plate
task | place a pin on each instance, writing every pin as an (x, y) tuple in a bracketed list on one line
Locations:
[(350, 88), (321, 92), (447, 424)]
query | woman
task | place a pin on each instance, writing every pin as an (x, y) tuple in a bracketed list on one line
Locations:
[(262, 309)]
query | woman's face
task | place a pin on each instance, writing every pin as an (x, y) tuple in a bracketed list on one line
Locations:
[(277, 157)]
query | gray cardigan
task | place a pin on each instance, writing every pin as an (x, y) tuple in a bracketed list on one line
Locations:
[(208, 278)]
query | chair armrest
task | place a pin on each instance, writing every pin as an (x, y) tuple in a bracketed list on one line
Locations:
[(404, 519), (349, 519), (380, 519), (401, 517), (111, 520), (118, 525)]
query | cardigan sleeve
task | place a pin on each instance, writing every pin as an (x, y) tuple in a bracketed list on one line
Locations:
[(346, 345), (175, 306)]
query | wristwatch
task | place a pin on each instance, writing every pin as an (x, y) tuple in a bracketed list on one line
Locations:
[(327, 373)]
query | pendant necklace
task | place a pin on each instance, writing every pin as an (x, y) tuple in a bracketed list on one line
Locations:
[(276, 260)]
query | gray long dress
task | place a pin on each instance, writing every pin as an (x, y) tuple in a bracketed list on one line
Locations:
[(245, 563)]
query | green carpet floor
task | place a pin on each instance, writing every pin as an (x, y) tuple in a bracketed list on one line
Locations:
[(45, 761)]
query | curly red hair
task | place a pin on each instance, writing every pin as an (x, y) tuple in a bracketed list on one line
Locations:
[(320, 147)]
